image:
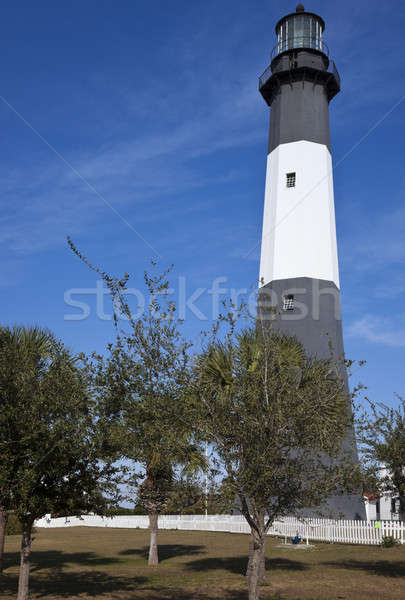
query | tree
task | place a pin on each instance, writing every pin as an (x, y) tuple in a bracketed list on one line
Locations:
[(187, 495), (48, 443), (193, 495), (142, 384), (382, 438), (34, 340), (276, 420)]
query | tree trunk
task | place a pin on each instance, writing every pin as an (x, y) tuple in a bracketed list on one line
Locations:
[(23, 580), (153, 547), (3, 525), (262, 567), (249, 565), (262, 572), (255, 566)]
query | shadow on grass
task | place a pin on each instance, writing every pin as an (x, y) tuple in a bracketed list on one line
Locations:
[(66, 585), (184, 595), (166, 551), (55, 559), (96, 584), (384, 568), (238, 564)]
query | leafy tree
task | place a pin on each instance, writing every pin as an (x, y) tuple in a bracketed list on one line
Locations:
[(48, 443), (277, 421), (191, 495), (382, 437), (187, 495), (221, 500), (34, 341), (141, 384)]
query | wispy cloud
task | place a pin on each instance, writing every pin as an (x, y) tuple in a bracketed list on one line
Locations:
[(47, 200), (376, 240), (393, 287), (377, 330)]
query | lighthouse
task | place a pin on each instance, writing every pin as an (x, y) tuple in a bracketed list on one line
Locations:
[(299, 272)]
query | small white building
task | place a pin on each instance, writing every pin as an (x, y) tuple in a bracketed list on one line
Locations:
[(384, 507)]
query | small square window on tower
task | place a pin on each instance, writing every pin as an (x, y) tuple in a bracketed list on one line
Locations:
[(288, 303), (291, 179)]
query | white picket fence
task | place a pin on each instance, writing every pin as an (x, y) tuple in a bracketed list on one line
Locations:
[(325, 530), (346, 532)]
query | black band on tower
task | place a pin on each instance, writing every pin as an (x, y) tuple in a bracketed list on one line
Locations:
[(299, 111)]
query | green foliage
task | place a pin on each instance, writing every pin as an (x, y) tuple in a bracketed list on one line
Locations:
[(14, 526), (124, 511), (139, 510), (277, 420), (381, 432), (191, 496), (141, 385), (50, 460), (389, 542), (155, 489), (186, 496)]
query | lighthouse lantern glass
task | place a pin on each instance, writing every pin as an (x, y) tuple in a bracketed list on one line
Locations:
[(300, 31)]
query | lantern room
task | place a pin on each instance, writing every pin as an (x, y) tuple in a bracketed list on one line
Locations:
[(300, 30)]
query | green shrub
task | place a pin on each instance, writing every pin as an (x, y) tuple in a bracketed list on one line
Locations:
[(13, 526), (389, 542)]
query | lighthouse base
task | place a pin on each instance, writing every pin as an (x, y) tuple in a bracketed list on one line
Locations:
[(310, 310)]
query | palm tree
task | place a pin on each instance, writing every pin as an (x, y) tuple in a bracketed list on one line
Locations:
[(276, 420)]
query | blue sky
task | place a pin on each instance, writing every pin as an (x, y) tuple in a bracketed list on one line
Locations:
[(153, 109)]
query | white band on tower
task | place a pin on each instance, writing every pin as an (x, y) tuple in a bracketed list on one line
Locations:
[(299, 231)]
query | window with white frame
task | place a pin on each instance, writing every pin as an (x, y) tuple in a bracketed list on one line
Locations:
[(288, 303), (291, 179)]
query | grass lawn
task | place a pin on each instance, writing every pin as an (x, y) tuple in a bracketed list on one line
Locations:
[(111, 564)]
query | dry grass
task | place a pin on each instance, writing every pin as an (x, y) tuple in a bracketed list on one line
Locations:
[(109, 564)]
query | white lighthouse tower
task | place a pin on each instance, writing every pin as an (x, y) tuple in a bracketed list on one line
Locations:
[(299, 273)]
